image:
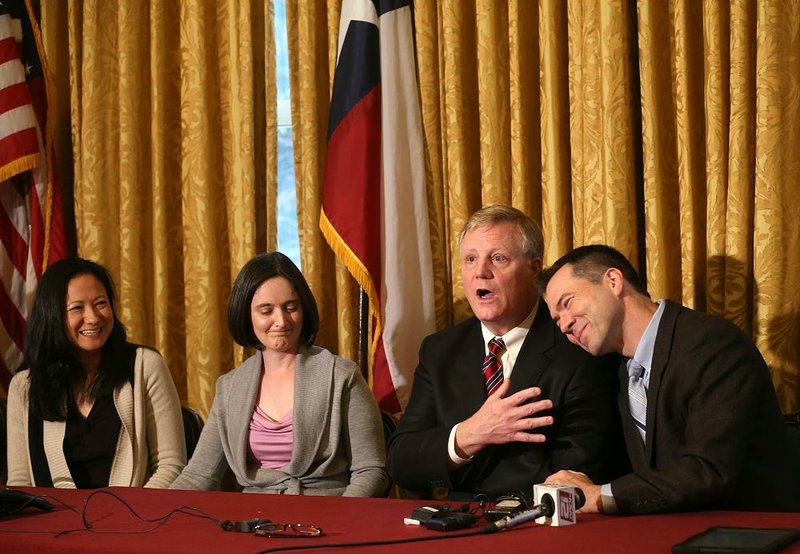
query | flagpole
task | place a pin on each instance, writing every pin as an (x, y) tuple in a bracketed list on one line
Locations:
[(363, 333)]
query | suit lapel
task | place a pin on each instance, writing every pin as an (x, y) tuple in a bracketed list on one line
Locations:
[(661, 350), (468, 389), (533, 355), (464, 383)]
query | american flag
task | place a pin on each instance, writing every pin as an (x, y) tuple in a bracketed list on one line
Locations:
[(31, 220)]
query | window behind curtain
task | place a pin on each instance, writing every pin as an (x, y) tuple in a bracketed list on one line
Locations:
[(288, 240)]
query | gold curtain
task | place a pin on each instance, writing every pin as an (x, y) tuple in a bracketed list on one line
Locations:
[(530, 105), (721, 133), (173, 129), (670, 130)]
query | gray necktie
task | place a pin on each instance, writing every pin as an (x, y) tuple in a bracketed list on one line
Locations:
[(637, 396)]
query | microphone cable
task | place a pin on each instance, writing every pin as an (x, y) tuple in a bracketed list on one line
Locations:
[(159, 520), (473, 533), (545, 508)]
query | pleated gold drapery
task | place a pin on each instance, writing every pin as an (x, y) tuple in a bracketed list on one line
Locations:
[(174, 146), (721, 132), (670, 130)]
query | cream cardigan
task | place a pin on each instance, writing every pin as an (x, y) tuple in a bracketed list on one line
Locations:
[(150, 448)]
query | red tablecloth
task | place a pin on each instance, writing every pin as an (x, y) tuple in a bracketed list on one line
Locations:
[(342, 519)]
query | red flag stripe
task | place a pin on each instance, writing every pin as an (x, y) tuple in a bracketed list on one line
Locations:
[(37, 238), (9, 50), (12, 319), (353, 164), (16, 146), (14, 96), (382, 384), (15, 244), (5, 373)]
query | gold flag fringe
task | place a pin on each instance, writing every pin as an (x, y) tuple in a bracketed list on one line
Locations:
[(362, 277)]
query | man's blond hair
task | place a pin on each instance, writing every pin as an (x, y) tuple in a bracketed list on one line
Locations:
[(530, 232)]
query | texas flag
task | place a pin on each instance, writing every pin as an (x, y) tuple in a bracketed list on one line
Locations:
[(374, 210)]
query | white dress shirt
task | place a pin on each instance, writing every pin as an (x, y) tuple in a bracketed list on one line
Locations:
[(513, 341)]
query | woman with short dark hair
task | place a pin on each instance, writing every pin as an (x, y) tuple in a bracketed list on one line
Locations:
[(293, 418), (256, 272), (89, 409)]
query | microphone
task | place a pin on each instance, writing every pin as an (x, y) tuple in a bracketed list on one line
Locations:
[(558, 501), (544, 509)]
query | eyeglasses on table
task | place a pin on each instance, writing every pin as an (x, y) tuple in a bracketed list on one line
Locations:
[(287, 530)]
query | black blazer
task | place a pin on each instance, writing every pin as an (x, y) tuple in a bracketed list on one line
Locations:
[(715, 434), (449, 388)]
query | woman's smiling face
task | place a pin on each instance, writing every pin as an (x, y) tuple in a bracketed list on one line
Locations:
[(89, 317)]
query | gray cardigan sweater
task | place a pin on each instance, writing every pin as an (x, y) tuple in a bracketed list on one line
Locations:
[(150, 449), (338, 446)]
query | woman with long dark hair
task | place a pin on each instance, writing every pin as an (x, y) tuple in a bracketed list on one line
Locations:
[(89, 409)]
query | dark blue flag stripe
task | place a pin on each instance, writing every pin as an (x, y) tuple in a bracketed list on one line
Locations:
[(385, 6), (357, 72)]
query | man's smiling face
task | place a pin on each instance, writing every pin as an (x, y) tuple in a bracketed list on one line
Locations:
[(589, 314), (499, 281)]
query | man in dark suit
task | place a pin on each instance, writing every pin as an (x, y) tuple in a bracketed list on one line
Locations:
[(497, 419), (702, 424)]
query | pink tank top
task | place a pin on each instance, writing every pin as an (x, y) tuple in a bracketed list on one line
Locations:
[(270, 445)]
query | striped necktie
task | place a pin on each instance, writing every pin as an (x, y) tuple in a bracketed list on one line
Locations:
[(493, 366), (637, 396)]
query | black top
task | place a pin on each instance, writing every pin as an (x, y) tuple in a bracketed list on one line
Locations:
[(90, 444)]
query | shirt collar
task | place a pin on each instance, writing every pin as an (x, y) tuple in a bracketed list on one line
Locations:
[(515, 337), (644, 350)]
